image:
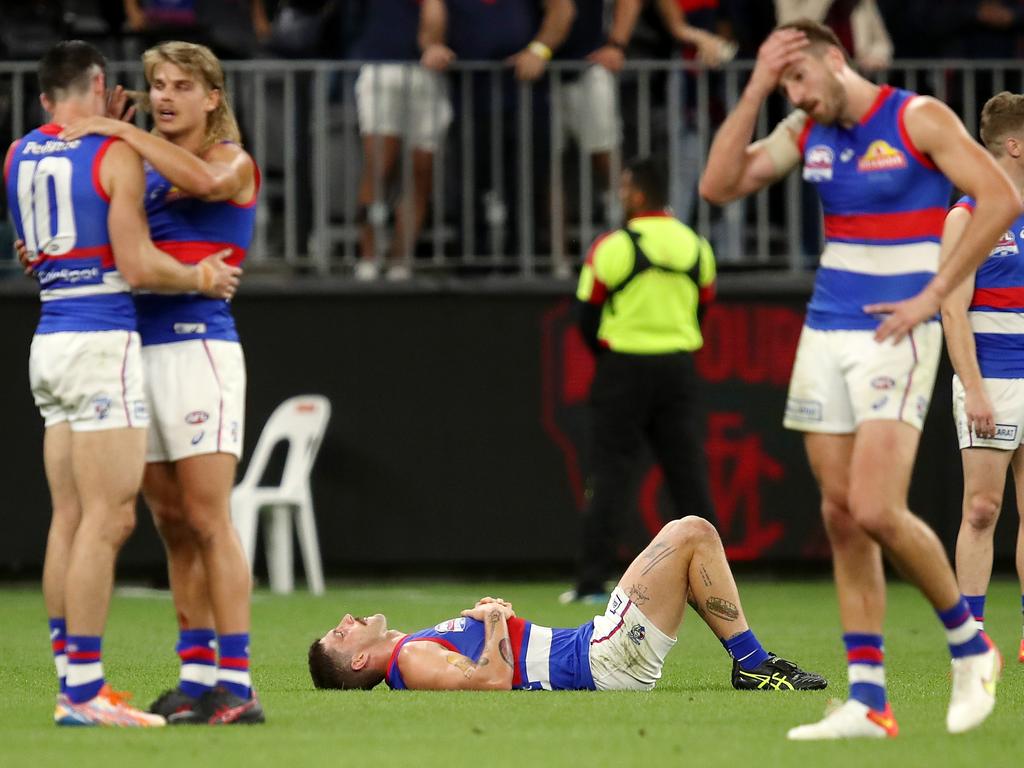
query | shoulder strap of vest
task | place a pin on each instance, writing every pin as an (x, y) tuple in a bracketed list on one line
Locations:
[(641, 263)]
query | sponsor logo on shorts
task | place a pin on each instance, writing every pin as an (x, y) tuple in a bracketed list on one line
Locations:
[(185, 328), (879, 404), (101, 406), (615, 604), (1005, 432), (452, 625), (140, 410), (818, 163), (637, 633), (196, 417), (198, 437), (883, 382), (803, 410)]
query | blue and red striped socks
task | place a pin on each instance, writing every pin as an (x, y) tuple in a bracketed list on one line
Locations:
[(233, 671), (85, 667), (866, 668), (746, 649), (961, 632), (197, 649), (977, 605), (58, 643)]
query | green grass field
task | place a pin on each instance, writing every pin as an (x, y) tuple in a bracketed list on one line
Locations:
[(693, 718)]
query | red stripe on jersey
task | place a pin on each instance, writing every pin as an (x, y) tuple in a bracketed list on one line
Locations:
[(801, 140), (516, 630), (1010, 297), (865, 653), (97, 161), (969, 207), (909, 142), (233, 662), (905, 225), (884, 93), (198, 654), (105, 252), (194, 251), (50, 129)]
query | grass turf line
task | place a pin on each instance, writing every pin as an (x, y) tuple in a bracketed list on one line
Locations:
[(692, 718)]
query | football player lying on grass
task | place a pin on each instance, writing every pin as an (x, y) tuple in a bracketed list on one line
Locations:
[(490, 648)]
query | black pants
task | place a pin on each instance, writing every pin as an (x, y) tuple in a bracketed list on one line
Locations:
[(636, 398)]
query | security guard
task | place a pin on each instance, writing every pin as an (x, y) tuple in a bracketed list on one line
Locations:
[(640, 294)]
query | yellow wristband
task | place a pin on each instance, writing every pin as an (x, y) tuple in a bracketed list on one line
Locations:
[(538, 48), (204, 277)]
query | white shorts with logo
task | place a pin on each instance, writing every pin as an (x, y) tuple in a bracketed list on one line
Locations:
[(842, 378), (589, 110), (1007, 396), (92, 380), (196, 392), (403, 100), (627, 652)]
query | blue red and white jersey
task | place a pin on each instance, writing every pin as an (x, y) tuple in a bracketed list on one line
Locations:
[(545, 658), (884, 204), (60, 211), (190, 230), (996, 311)]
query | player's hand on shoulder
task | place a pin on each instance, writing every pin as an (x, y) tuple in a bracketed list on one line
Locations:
[(96, 125), (218, 279)]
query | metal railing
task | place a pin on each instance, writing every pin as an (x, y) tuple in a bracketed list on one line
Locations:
[(508, 193)]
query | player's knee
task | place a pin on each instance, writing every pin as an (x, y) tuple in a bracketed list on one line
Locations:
[(839, 523), (691, 529), (982, 510), (207, 518), (875, 517), (119, 524)]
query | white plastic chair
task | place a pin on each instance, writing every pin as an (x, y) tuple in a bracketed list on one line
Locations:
[(301, 422)]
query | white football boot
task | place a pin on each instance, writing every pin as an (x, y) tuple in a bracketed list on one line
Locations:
[(852, 720), (974, 690)]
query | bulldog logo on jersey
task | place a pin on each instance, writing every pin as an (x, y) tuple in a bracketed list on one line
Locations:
[(1007, 246), (818, 163), (452, 625), (881, 156)]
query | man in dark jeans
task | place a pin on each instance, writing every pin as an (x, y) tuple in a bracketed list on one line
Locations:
[(640, 296)]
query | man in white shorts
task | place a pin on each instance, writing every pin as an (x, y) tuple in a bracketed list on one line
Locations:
[(882, 160), (489, 648), (983, 320), (397, 103), (77, 205)]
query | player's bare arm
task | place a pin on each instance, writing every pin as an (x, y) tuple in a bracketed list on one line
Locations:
[(736, 167), (937, 132), (430, 666), (223, 172), (140, 263), (960, 337)]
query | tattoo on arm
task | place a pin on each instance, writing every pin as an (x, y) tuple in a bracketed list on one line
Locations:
[(722, 608), (506, 652), (658, 553), (638, 594), (461, 663), (704, 575)]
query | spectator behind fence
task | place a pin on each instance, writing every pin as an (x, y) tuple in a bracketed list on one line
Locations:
[(857, 23), (231, 28), (524, 34), (397, 103)]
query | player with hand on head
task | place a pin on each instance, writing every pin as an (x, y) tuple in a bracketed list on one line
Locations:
[(489, 648), (882, 160), (77, 206), (982, 321)]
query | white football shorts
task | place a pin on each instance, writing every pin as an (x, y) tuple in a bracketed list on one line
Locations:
[(843, 378), (627, 652), (590, 110), (92, 380), (403, 100), (196, 393), (1007, 396)]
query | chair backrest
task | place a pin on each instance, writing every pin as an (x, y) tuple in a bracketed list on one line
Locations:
[(301, 421)]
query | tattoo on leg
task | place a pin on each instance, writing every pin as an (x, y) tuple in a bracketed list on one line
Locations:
[(506, 652), (704, 575), (657, 558), (638, 594), (721, 608)]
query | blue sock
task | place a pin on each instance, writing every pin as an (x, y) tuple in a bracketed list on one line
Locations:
[(233, 670), (58, 643), (746, 649), (961, 633), (865, 660), (977, 604), (85, 667), (197, 650)]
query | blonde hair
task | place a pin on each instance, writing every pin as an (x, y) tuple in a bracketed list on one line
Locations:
[(200, 62), (1002, 117)]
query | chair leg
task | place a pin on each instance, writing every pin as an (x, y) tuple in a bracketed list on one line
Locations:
[(279, 550), (309, 543)]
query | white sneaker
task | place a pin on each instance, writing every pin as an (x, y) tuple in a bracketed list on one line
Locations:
[(366, 271), (398, 272), (974, 690), (852, 720)]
